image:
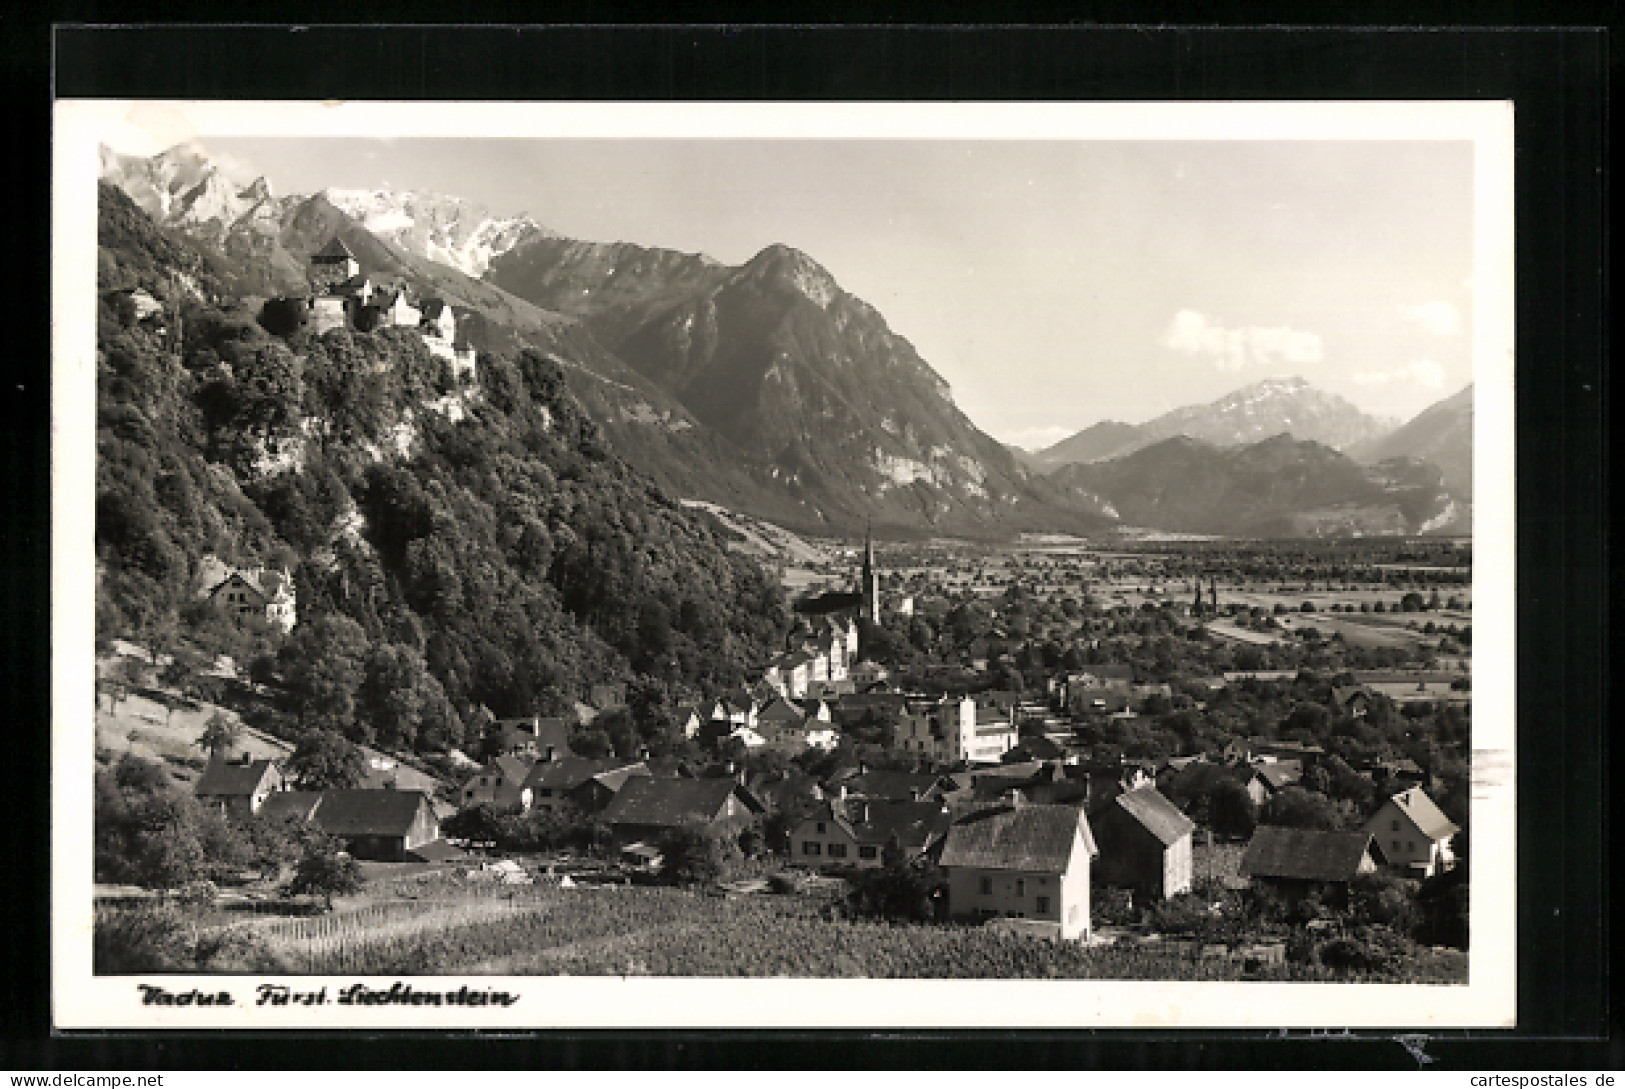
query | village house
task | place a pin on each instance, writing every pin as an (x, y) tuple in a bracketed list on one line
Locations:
[(1301, 861), (1351, 700), (1145, 844), (865, 674), (895, 786), (1027, 862), (500, 784), (379, 825), (1412, 834), (290, 805), (536, 738), (645, 809), (1270, 777), (579, 785), (249, 591), (238, 787), (855, 831)]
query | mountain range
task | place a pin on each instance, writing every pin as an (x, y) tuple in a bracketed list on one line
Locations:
[(764, 387), (1270, 407), (1280, 487)]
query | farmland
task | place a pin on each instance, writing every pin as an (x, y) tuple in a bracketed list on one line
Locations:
[(660, 931)]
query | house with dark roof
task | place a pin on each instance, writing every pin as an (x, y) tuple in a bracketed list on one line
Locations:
[(1270, 777), (1026, 862), (249, 591), (501, 783), (1351, 699), (382, 825), (536, 737), (286, 805), (579, 784), (1412, 833), (1145, 844), (646, 808), (239, 787), (890, 786), (855, 831), (1298, 861)]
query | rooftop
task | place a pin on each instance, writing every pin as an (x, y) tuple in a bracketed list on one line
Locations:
[(1033, 838)]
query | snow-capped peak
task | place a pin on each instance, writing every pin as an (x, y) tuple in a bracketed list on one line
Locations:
[(450, 230)]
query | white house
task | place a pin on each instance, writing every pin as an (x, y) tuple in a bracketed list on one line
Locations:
[(1412, 834), (1030, 862)]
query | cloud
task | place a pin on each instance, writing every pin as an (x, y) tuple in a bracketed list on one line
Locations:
[(1424, 372), (1194, 333), (1439, 318)]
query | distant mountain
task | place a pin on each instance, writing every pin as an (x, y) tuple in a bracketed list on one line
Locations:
[(450, 230), (1279, 487), (1098, 442), (1273, 406), (1441, 434)]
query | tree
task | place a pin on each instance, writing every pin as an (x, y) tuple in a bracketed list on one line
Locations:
[(324, 872), (399, 700), (326, 761), (1231, 811), (323, 665), (220, 733), (1295, 807), (692, 854)]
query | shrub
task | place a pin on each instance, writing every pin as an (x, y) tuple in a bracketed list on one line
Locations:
[(238, 950), (146, 937)]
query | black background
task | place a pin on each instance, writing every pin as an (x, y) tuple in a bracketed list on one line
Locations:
[(1557, 79)]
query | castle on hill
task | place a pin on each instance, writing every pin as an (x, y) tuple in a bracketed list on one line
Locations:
[(342, 296)]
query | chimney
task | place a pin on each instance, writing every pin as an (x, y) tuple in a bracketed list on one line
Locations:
[(842, 795), (863, 813)]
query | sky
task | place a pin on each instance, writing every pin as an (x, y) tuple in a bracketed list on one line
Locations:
[(1052, 283)]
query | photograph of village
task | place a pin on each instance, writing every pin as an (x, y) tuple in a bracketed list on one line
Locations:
[(784, 558)]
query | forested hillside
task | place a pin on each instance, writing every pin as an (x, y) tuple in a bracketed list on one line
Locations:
[(504, 559)]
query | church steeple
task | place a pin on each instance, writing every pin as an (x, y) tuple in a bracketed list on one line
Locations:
[(870, 579)]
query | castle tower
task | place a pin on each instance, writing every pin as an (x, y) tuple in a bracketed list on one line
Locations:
[(332, 265), (870, 579)]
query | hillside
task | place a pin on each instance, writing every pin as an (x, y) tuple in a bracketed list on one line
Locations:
[(1441, 434), (1280, 487), (504, 562), (763, 388)]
